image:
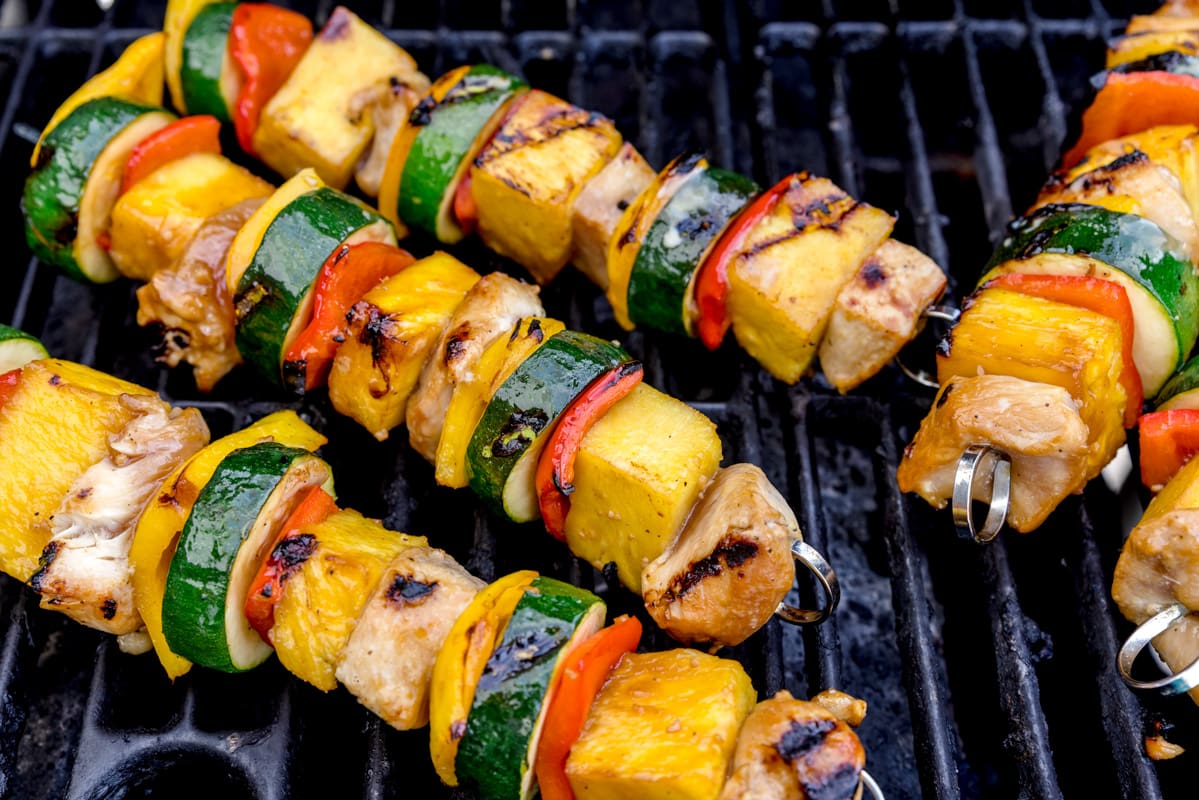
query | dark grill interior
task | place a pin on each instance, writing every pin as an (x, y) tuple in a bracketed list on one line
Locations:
[(989, 671)]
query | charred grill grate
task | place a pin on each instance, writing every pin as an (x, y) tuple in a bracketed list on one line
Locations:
[(989, 672)]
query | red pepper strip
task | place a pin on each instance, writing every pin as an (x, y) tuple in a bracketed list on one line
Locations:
[(712, 282), (1093, 294), (198, 134), (349, 273), (267, 586), (266, 42), (9, 382), (1133, 102), (104, 239), (556, 467), (1168, 440), (466, 211), (582, 676)]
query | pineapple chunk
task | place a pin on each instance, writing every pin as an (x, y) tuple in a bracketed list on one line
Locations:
[(784, 282), (1182, 492), (55, 426), (663, 728), (1137, 46), (638, 473), (317, 118), (322, 599), (1007, 333), (526, 179), (154, 222), (391, 331)]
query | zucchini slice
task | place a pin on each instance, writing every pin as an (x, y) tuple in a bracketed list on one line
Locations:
[(71, 191), (501, 459), (1130, 250), (18, 348), (233, 523), (504, 728), (1182, 390), (207, 75)]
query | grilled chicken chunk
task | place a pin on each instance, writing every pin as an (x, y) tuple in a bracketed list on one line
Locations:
[(729, 568), (388, 662), (599, 207), (191, 303), (845, 707), (1038, 425), (878, 312), (389, 102), (791, 749), (491, 308), (84, 570)]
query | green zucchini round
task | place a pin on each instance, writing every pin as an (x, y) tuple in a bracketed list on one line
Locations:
[(506, 717), (1182, 390), (18, 348), (501, 458), (233, 523), (661, 283), (205, 47)]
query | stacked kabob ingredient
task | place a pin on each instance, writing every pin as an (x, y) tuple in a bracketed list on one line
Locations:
[(120, 513)]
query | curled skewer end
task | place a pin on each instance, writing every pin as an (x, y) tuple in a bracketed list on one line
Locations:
[(818, 565), (923, 377), (1146, 632), (981, 464), (871, 785)]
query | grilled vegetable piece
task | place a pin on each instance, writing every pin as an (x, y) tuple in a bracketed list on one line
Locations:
[(878, 312), (1164, 19), (489, 310), (160, 524), (600, 205), (235, 518), (792, 749), (183, 137), (1168, 440), (154, 222), (391, 332), (388, 661), (335, 566), (208, 77), (783, 284), (638, 473), (1129, 250), (1135, 46), (309, 122), (85, 571), (389, 103), (71, 191), (503, 731), (1036, 424), (266, 42), (1135, 101), (55, 425), (1002, 332), (1180, 390), (663, 728), (1182, 492), (726, 572), (178, 19), (18, 348), (525, 181)]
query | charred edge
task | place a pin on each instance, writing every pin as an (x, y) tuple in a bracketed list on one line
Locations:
[(524, 652), (173, 340), (457, 729), (45, 155), (43, 566), (535, 331), (693, 227), (838, 784), (873, 274), (337, 27), (55, 380), (342, 254), (729, 553), (803, 737), (295, 375), (109, 608), (84, 493), (628, 368), (455, 346), (945, 346), (245, 302), (422, 113), (944, 396), (291, 553), (67, 232), (405, 590), (515, 331), (518, 432), (375, 331), (684, 164), (553, 123)]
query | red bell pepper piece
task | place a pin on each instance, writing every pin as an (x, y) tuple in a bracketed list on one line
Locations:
[(1168, 441), (287, 553), (266, 42), (556, 467), (1135, 101), (712, 282), (349, 273), (581, 678), (1094, 294), (9, 382), (198, 134), (465, 209)]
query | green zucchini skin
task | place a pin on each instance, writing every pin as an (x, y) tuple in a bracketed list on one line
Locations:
[(193, 613), (694, 217), (273, 289), (18, 348), (54, 190), (1182, 390), (493, 753), (528, 402), (204, 47), (448, 130)]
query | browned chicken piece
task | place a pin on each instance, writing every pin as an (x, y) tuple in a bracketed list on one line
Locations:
[(1158, 567), (845, 707), (1038, 425), (191, 303), (731, 565), (388, 662), (791, 749), (389, 103), (878, 312), (84, 572), (491, 308), (599, 207)]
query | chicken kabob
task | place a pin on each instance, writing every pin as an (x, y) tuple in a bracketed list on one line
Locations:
[(799, 270), (222, 553)]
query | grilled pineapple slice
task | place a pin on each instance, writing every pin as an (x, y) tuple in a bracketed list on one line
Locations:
[(391, 330), (663, 728), (525, 181), (783, 283), (323, 597), (638, 473)]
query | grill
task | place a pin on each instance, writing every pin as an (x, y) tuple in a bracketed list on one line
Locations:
[(989, 671)]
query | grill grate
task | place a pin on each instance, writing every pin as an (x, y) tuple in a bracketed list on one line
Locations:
[(989, 672)]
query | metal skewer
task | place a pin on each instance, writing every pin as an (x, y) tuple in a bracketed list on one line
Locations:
[(1175, 683), (942, 313), (816, 563), (871, 785), (994, 467)]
